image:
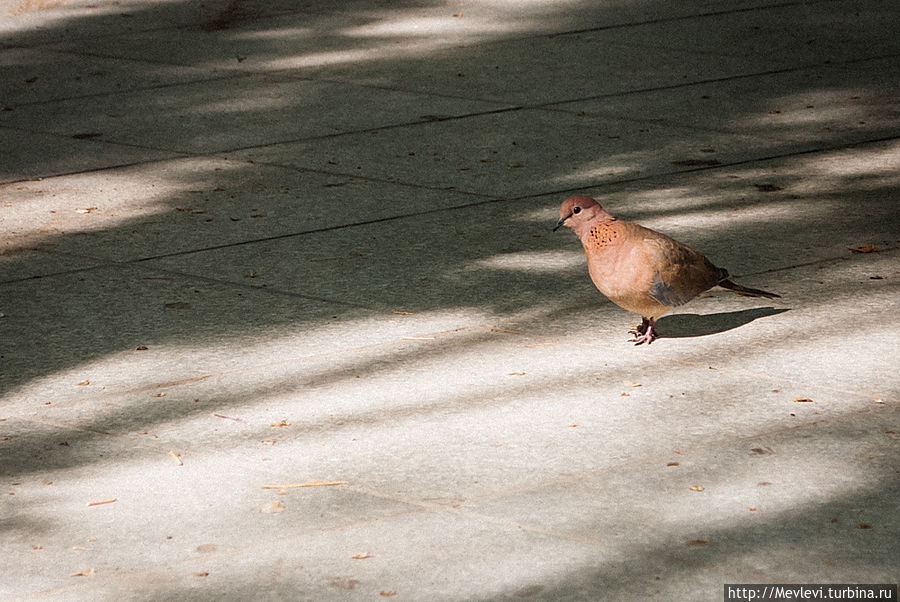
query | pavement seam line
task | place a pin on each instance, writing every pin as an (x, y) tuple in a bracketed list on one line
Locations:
[(797, 153), (701, 15)]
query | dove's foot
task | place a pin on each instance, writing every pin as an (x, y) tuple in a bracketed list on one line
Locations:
[(643, 333)]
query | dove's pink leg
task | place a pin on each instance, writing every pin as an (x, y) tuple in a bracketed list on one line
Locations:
[(643, 333)]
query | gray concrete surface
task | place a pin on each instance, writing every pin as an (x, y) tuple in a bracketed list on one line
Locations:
[(256, 244)]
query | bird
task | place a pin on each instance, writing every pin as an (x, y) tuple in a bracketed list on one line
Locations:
[(639, 269)]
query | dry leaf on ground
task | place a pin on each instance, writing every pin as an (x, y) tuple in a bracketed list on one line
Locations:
[(100, 503), (273, 508), (230, 418), (696, 487)]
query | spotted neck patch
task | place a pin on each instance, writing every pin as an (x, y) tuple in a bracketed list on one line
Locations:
[(603, 235)]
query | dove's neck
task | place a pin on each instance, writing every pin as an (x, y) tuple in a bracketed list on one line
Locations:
[(596, 215)]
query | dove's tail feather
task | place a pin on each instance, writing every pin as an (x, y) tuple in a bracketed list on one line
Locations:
[(746, 291)]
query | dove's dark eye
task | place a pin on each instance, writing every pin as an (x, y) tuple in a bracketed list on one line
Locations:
[(576, 209)]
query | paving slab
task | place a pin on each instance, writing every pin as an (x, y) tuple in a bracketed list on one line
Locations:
[(221, 115), (517, 153), (177, 518), (292, 43), (495, 17), (41, 75), (533, 267), (76, 150), (387, 42), (75, 326), (785, 35), (809, 206), (323, 567), (530, 71), (657, 51), (418, 263), (822, 104), (774, 482), (814, 482), (192, 204), (31, 23), (22, 264)]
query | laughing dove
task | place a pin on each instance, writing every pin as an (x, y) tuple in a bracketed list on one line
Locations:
[(640, 269)]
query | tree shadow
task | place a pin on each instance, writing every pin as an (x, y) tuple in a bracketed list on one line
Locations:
[(204, 207), (102, 299)]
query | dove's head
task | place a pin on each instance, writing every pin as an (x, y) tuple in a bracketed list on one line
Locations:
[(577, 212)]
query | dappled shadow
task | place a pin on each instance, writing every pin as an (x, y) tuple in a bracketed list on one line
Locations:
[(316, 183), (795, 546)]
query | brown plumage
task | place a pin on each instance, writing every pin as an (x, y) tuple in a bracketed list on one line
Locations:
[(639, 269)]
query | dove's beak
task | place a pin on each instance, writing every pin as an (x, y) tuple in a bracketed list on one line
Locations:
[(561, 221)]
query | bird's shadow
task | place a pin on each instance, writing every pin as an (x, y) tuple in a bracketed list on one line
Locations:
[(696, 325)]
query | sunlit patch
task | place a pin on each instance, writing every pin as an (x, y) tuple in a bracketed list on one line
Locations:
[(858, 168), (548, 214), (240, 105), (868, 162), (812, 113), (666, 196), (47, 12), (332, 57), (310, 353), (609, 167), (423, 26), (102, 200), (280, 33), (533, 261)]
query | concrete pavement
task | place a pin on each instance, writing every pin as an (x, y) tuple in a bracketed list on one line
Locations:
[(283, 318)]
